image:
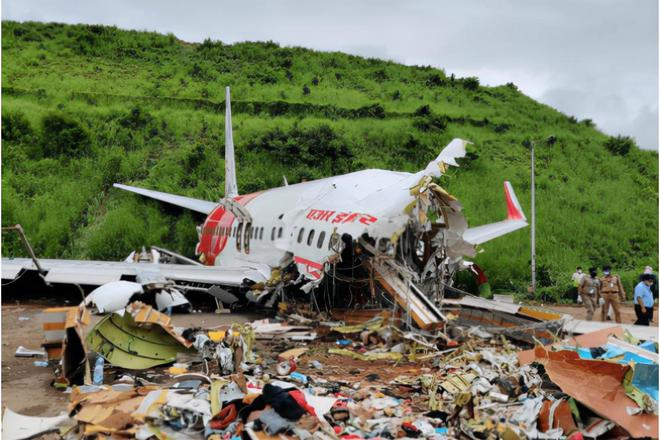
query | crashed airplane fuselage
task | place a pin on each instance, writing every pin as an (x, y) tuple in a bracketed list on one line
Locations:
[(300, 235), (406, 217)]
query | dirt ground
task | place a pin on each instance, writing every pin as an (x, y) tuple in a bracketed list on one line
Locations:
[(26, 388), (579, 312)]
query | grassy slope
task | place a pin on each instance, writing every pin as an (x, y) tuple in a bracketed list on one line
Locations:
[(150, 110)]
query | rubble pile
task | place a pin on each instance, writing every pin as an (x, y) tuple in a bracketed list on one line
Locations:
[(301, 376)]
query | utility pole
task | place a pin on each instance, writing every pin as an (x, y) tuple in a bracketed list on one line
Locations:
[(533, 229)]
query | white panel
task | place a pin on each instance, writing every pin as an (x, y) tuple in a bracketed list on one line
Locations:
[(581, 326), (10, 269), (83, 275), (483, 303)]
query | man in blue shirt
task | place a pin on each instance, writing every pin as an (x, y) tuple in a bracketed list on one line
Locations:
[(643, 299)]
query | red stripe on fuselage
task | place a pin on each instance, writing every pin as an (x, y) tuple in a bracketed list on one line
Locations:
[(213, 239)]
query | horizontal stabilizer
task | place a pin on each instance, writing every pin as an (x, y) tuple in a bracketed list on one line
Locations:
[(203, 206), (515, 220)]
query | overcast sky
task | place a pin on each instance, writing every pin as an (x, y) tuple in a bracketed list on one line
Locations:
[(593, 59)]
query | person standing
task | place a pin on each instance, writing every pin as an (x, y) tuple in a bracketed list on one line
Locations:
[(612, 292), (643, 299), (654, 287), (589, 290), (577, 277)]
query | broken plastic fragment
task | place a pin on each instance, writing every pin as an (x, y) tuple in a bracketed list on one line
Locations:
[(18, 427), (113, 296)]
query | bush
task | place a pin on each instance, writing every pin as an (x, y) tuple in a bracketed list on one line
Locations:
[(435, 80), (619, 145), (371, 111), (63, 136), (15, 127), (136, 119), (119, 232), (317, 147), (424, 110), (471, 83)]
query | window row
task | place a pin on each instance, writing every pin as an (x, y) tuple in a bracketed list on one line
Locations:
[(310, 238), (255, 233)]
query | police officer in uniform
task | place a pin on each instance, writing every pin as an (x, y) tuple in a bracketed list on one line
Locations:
[(612, 293), (589, 290)]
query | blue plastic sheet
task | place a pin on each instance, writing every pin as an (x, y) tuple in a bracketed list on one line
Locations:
[(645, 379)]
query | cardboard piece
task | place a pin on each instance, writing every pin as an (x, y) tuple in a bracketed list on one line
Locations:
[(598, 386)]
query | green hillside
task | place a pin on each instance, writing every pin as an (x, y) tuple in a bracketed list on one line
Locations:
[(86, 106)]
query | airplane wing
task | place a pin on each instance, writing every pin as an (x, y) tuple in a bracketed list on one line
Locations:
[(203, 206), (97, 273), (515, 220)]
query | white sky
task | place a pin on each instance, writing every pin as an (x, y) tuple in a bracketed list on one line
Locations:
[(593, 59)]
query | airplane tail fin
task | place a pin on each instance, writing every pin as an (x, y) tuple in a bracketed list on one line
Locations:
[(515, 220), (231, 188)]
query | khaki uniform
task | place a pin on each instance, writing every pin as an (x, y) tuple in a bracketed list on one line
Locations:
[(589, 290), (613, 294)]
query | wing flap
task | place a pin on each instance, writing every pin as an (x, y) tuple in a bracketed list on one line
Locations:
[(203, 206)]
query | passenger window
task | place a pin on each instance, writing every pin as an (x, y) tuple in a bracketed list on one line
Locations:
[(300, 235), (310, 237), (279, 233), (319, 244), (261, 233), (272, 234)]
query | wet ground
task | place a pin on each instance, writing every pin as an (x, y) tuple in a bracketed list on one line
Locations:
[(26, 388)]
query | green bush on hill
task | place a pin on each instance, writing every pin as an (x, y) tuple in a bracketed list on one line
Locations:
[(87, 106)]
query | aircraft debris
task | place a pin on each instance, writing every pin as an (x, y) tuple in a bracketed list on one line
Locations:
[(137, 338), (385, 379), (26, 352), (19, 427)]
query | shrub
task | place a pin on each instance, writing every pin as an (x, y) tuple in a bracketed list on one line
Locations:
[(316, 147), (15, 127), (471, 83), (371, 111), (435, 80), (62, 135), (136, 119), (619, 145), (380, 75), (424, 110)]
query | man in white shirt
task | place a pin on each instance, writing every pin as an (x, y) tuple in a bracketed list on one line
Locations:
[(577, 279)]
